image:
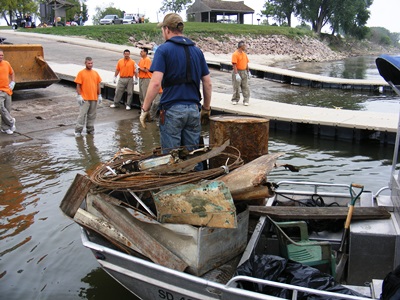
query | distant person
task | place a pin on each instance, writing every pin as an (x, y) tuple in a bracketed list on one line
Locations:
[(144, 80), (7, 83), (89, 95), (28, 20), (179, 66), (144, 73), (80, 20), (240, 74), (126, 68)]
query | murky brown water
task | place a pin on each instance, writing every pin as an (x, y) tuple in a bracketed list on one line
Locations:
[(41, 253)]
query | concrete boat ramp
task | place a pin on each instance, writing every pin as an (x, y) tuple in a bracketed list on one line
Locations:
[(321, 122)]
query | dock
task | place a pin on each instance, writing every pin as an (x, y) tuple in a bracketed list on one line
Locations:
[(320, 122)]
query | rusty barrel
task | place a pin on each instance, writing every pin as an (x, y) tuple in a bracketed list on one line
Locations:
[(248, 134)]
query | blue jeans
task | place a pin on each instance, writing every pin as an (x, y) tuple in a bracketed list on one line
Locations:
[(181, 127)]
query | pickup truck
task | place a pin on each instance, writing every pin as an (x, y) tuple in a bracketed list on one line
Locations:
[(111, 20)]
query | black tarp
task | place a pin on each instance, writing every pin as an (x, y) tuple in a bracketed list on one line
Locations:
[(278, 269)]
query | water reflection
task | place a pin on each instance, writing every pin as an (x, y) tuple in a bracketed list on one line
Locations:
[(100, 283)]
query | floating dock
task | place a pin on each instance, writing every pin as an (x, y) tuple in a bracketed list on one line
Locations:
[(341, 124)]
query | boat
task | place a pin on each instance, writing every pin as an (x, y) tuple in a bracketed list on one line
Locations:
[(362, 232)]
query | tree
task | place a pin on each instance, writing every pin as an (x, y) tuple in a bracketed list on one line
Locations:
[(10, 8), (349, 16), (281, 10), (78, 9), (175, 6), (101, 12)]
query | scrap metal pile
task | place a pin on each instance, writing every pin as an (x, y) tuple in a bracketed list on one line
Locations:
[(142, 204), (145, 172)]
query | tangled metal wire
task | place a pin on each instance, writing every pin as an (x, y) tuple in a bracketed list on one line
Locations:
[(117, 175)]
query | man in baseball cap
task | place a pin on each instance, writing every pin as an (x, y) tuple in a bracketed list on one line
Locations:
[(179, 67), (172, 21)]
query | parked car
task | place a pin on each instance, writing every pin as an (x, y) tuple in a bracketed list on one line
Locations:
[(110, 20), (129, 19)]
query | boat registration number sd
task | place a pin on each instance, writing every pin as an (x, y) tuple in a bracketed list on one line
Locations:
[(169, 296)]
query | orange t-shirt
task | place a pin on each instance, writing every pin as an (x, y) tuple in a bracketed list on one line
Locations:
[(89, 81), (145, 63), (240, 59), (126, 67), (5, 71)]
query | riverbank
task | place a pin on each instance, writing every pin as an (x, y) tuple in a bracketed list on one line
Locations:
[(269, 49)]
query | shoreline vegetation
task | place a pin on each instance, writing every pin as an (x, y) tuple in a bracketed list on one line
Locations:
[(268, 44)]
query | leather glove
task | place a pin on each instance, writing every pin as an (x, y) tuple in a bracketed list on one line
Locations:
[(238, 78), (143, 117), (12, 85), (115, 79), (135, 81), (80, 100), (205, 115), (99, 99)]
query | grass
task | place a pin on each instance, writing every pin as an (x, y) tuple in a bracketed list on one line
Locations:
[(120, 34)]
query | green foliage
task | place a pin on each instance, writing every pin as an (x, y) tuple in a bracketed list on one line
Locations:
[(120, 34), (382, 36), (10, 8), (175, 6), (280, 10), (76, 10)]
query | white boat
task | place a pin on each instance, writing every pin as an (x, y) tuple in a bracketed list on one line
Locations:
[(373, 245)]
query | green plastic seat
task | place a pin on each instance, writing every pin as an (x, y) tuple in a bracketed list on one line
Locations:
[(307, 252)]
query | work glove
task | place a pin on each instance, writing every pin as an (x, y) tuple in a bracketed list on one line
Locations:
[(238, 78), (80, 100), (12, 85), (143, 117), (205, 115), (115, 79), (249, 74), (135, 81), (99, 99), (136, 68)]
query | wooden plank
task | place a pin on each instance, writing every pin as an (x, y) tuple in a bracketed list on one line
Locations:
[(75, 195), (243, 180), (101, 226), (319, 213), (145, 243)]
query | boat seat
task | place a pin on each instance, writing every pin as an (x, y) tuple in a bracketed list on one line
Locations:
[(307, 252)]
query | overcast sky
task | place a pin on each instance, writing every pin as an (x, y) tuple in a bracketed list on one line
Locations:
[(384, 13)]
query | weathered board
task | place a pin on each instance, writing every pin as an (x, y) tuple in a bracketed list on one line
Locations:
[(319, 213), (145, 243), (75, 195), (248, 182)]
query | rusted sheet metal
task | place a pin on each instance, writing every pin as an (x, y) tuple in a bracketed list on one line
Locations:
[(205, 204), (30, 68), (75, 195), (248, 134), (189, 164), (249, 181)]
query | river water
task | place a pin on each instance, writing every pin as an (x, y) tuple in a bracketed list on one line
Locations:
[(41, 255)]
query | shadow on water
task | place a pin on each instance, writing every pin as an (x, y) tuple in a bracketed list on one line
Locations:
[(100, 283)]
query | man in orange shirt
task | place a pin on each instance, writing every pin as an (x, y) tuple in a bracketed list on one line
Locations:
[(7, 84), (240, 74), (126, 68), (89, 95), (144, 74), (144, 80)]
